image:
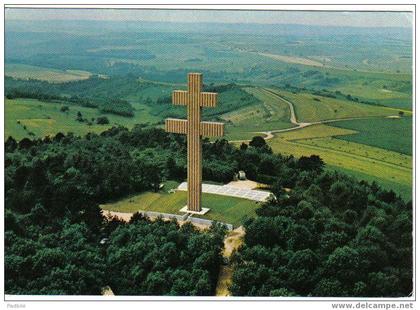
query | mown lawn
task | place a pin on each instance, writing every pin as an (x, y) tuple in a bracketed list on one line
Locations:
[(222, 208)]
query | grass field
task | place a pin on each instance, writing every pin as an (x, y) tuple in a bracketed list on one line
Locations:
[(312, 108), (238, 135), (380, 72), (386, 88), (271, 113), (386, 167), (222, 208), (378, 154), (45, 74), (393, 90), (315, 131), (398, 131), (405, 191), (45, 118), (374, 91)]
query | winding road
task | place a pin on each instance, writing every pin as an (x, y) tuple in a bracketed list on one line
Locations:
[(293, 120)]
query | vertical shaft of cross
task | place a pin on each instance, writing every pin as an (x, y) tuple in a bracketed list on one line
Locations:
[(194, 128), (194, 153)]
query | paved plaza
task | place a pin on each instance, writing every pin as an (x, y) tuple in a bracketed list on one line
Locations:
[(226, 190)]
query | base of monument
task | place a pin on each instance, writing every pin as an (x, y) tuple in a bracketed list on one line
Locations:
[(202, 212)]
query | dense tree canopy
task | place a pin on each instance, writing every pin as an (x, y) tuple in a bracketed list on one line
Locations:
[(161, 258), (114, 94), (329, 236), (54, 225), (107, 102)]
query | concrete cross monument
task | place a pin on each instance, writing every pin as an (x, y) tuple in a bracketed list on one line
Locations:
[(194, 128)]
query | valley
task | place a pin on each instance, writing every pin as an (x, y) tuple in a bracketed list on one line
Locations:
[(302, 103), (306, 191)]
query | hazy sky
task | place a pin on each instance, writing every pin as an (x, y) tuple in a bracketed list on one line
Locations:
[(356, 19)]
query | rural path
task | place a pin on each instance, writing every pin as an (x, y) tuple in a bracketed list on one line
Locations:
[(299, 125), (232, 242), (293, 118)]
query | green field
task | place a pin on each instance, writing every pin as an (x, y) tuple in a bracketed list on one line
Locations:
[(45, 118), (376, 93), (397, 137), (144, 67), (380, 87), (392, 90), (357, 147), (384, 166), (269, 114), (405, 191), (222, 208), (313, 132), (21, 71), (312, 108)]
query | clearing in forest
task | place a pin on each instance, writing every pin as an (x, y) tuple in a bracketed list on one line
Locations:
[(224, 209)]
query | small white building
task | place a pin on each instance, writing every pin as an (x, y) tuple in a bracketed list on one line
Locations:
[(241, 175)]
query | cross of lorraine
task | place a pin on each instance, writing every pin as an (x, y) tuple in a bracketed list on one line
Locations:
[(194, 128)]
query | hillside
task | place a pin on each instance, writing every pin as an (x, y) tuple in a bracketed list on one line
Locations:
[(124, 101), (314, 108), (318, 117), (54, 188)]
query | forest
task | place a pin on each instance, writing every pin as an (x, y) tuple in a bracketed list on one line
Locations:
[(108, 95), (54, 226), (324, 234), (106, 102), (231, 97), (330, 235)]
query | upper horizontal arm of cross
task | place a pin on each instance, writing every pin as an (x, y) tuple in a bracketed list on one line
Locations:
[(208, 100), (180, 97)]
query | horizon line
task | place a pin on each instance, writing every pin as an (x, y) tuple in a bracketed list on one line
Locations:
[(206, 22)]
